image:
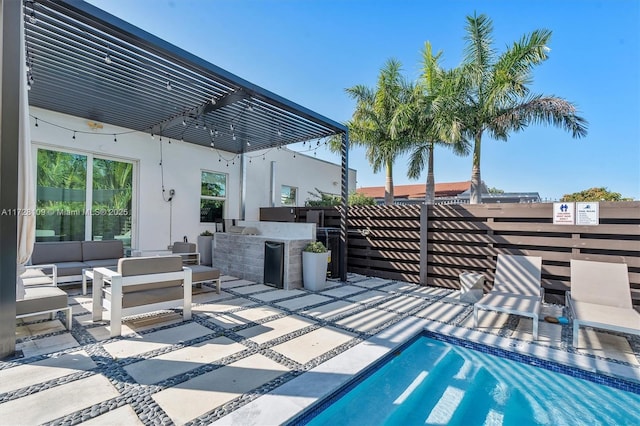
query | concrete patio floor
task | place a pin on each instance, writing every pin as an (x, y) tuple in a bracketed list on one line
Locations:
[(242, 358)]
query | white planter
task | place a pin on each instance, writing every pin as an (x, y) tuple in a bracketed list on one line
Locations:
[(314, 270), (204, 247)]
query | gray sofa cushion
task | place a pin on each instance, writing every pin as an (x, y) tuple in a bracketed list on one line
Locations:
[(55, 252), (67, 269), (93, 250), (132, 266), (40, 299), (150, 296), (102, 263), (202, 273)]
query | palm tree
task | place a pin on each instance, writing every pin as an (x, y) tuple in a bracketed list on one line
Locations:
[(374, 124), (497, 97), (431, 118)]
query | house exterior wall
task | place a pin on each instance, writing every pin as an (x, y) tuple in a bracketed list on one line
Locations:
[(156, 222)]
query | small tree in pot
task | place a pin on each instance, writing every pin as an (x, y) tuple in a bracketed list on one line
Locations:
[(314, 266)]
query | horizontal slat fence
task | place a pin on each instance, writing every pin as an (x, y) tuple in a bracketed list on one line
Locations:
[(433, 244), (467, 238), (384, 241)]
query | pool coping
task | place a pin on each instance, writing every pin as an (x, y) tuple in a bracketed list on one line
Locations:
[(288, 401)]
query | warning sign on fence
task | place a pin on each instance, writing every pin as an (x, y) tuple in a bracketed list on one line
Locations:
[(564, 214), (587, 213)]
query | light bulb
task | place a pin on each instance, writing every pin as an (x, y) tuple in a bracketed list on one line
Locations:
[(107, 59), (169, 85), (32, 17)]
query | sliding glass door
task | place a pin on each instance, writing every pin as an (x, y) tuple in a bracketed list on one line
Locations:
[(68, 183)]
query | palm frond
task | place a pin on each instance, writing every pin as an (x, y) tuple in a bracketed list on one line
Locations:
[(478, 52), (546, 110)]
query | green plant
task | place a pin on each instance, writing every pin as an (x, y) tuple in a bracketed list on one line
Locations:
[(206, 233), (315, 247)]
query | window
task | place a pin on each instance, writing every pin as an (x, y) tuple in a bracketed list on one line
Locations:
[(288, 195), (213, 193), (80, 197)]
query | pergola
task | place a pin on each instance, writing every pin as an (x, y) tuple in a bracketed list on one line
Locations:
[(87, 63)]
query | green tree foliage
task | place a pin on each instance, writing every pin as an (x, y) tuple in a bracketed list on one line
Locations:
[(595, 194), (497, 97), (374, 124), (324, 199), (494, 190)]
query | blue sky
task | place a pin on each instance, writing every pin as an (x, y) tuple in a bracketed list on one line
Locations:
[(309, 51)]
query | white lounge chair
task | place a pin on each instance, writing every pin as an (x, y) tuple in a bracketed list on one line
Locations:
[(600, 297), (516, 289)]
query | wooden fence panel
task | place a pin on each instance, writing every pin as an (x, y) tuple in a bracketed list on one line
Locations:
[(385, 241)]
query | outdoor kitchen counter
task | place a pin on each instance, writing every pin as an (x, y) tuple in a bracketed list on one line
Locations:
[(242, 256)]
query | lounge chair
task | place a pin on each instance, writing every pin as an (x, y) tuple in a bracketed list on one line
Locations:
[(516, 289), (41, 294), (141, 284), (600, 297), (191, 259)]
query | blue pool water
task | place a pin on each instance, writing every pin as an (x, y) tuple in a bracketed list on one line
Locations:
[(435, 381)]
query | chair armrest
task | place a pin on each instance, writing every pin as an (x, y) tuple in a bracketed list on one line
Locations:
[(190, 257), (51, 266), (107, 274)]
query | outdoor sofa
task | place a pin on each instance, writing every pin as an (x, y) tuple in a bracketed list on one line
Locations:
[(191, 258), (72, 257), (39, 294), (140, 285)]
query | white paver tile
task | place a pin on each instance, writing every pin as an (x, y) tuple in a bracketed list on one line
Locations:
[(59, 401), (606, 345), (222, 306), (237, 283), (548, 334), (278, 294), (368, 297), (234, 319), (45, 370), (120, 416), (440, 311), (372, 282), (273, 329), (131, 346), (47, 345), (252, 289), (208, 296), (311, 345), (180, 361), (304, 301), (332, 309), (342, 291), (402, 303), (489, 321), (398, 288), (204, 393), (367, 319)]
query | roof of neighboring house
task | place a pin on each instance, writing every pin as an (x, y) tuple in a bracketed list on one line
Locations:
[(445, 189)]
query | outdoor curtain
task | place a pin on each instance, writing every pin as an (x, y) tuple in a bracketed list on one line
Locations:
[(26, 186)]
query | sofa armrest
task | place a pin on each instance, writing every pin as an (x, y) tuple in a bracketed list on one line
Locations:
[(189, 258)]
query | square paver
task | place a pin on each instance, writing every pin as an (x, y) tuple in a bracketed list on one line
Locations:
[(441, 311), (235, 319), (180, 361), (607, 345), (548, 334), (210, 295), (47, 345), (120, 416), (332, 309), (205, 393), (132, 346), (402, 303), (313, 344), (398, 288), (222, 306), (278, 294), (252, 289), (370, 296), (367, 320), (49, 404), (304, 301), (372, 282), (342, 291), (273, 329), (428, 292), (489, 321), (45, 370)]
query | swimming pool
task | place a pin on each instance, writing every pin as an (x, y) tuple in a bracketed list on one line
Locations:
[(437, 379)]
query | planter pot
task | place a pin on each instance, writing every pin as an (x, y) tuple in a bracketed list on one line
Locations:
[(204, 247), (314, 270)]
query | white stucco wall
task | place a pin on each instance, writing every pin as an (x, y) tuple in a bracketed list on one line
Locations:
[(156, 222)]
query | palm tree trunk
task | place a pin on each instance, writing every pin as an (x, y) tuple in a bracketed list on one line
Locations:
[(430, 190), (476, 192), (388, 185)]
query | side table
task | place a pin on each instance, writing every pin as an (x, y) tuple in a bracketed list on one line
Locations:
[(471, 284)]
